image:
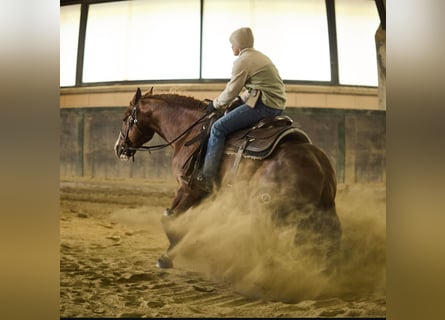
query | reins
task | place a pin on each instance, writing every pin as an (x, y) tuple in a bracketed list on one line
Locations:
[(165, 145)]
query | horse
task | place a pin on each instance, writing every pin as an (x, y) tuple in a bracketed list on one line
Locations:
[(296, 182)]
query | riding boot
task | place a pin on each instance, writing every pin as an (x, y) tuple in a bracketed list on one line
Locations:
[(201, 182), (204, 183)]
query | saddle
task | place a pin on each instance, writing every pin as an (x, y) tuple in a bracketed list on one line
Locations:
[(259, 141), (256, 142)]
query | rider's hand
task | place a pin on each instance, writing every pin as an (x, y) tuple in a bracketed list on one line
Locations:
[(235, 103), (210, 107)]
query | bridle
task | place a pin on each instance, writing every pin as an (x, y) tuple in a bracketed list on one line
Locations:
[(132, 120)]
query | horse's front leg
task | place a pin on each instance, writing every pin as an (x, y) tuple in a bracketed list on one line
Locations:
[(166, 259), (183, 200)]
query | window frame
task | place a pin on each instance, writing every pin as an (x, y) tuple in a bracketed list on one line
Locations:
[(332, 36)]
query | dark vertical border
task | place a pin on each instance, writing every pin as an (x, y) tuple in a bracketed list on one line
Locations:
[(332, 31), (80, 141), (382, 12), (201, 28), (81, 44), (341, 149)]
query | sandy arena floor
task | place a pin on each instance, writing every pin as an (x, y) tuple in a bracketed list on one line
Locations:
[(111, 236)]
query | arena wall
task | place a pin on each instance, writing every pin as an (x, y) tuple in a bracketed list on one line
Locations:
[(348, 126)]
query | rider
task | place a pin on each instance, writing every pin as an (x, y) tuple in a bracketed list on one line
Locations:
[(264, 96)]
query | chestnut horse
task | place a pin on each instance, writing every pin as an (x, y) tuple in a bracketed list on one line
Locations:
[(296, 182)]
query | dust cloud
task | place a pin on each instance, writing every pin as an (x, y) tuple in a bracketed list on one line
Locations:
[(226, 242)]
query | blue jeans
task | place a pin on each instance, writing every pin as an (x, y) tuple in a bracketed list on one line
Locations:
[(237, 119)]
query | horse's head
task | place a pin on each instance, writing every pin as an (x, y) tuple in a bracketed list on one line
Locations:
[(134, 131)]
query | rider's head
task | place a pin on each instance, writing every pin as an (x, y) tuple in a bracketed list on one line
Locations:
[(240, 39)]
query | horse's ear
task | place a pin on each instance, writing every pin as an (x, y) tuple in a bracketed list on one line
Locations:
[(149, 92), (136, 96)]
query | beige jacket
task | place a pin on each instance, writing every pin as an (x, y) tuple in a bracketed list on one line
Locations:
[(254, 70)]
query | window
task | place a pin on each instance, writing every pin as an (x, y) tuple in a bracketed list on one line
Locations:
[(293, 33), (357, 22), (142, 40), (138, 40), (69, 38)]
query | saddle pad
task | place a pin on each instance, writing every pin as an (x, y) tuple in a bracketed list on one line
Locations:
[(262, 141)]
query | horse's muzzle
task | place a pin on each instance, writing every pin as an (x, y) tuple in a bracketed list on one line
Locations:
[(122, 152)]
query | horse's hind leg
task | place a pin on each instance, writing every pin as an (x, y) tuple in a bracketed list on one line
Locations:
[(318, 235), (317, 230)]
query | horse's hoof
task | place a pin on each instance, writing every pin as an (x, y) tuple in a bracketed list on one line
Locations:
[(164, 262), (168, 212)]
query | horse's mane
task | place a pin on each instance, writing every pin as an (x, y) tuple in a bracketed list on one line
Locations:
[(176, 99)]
